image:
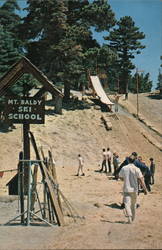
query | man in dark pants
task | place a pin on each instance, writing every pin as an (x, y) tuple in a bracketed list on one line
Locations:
[(109, 156), (147, 178), (152, 170), (104, 161), (145, 171)]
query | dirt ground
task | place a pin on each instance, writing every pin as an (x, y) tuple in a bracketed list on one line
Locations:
[(96, 196)]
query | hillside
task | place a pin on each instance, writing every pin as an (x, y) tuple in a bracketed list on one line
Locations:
[(94, 195)]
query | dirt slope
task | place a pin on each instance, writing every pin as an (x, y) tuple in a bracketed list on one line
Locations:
[(95, 195)]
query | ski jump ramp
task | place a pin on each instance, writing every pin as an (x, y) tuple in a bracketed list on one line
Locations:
[(97, 87)]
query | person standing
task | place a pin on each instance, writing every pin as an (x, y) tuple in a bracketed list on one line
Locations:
[(109, 158), (152, 170), (80, 167), (116, 101), (116, 163), (145, 171), (104, 161), (131, 175)]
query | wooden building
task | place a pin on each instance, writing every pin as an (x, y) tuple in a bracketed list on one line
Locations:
[(13, 185)]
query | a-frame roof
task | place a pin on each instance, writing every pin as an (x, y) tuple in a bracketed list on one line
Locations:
[(25, 66)]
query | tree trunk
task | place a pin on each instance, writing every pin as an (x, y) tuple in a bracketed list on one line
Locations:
[(126, 89), (66, 91), (58, 105)]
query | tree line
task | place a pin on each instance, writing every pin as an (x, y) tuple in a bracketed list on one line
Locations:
[(58, 37)]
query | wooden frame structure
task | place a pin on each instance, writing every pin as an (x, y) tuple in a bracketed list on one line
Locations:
[(24, 66)]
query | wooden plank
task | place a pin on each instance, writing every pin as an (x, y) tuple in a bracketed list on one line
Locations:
[(10, 82), (46, 174), (52, 165), (26, 150), (21, 186), (53, 171), (34, 187), (107, 123)]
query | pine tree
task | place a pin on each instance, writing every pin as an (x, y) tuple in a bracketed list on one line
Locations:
[(159, 83), (60, 35), (10, 45), (125, 40), (144, 83), (9, 54), (8, 18)]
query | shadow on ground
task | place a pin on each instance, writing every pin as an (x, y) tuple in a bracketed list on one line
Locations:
[(113, 205), (155, 97)]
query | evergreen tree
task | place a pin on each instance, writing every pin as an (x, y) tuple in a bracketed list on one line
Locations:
[(143, 81), (159, 83), (60, 35), (10, 21), (9, 54), (8, 18), (125, 40)]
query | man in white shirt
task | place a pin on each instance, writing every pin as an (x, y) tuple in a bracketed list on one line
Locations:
[(80, 167), (131, 175)]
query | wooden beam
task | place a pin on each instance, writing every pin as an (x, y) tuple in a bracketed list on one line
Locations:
[(26, 150), (10, 74), (10, 82), (46, 175)]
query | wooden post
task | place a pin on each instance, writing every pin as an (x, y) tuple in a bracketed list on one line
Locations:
[(26, 149), (34, 187), (58, 105), (118, 85), (21, 186), (137, 96)]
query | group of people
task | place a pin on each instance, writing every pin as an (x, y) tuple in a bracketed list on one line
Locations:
[(133, 171), (110, 159), (107, 159), (135, 174)]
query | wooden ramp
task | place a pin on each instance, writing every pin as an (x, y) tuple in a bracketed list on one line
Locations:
[(97, 87)]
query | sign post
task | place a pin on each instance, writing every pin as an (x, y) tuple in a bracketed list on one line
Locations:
[(26, 111)]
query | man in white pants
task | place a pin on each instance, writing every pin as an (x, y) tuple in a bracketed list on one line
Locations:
[(80, 168), (131, 175)]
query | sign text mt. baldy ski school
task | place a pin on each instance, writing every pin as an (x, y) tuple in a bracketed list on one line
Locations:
[(25, 110)]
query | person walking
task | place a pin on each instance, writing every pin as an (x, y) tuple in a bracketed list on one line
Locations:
[(152, 171), (109, 158), (104, 161), (80, 167), (124, 163), (131, 175)]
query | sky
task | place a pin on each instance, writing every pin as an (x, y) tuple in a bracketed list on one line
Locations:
[(147, 15)]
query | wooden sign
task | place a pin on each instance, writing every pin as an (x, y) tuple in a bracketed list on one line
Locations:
[(25, 110)]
